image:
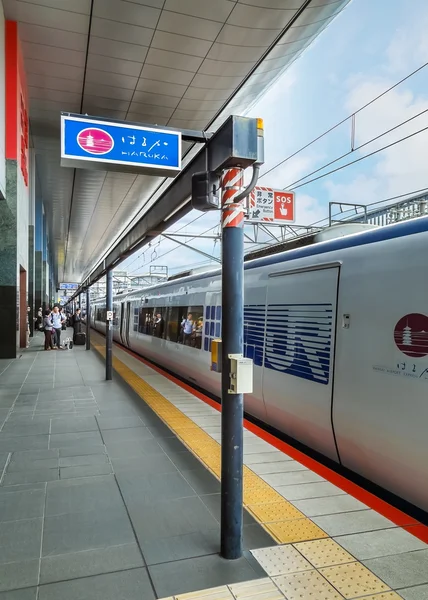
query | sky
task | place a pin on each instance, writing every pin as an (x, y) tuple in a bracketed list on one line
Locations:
[(369, 47)]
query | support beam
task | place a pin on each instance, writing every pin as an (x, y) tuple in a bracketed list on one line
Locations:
[(232, 405), (169, 237), (88, 320), (109, 326)]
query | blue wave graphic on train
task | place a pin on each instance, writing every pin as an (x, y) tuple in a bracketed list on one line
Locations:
[(292, 338), (298, 338)]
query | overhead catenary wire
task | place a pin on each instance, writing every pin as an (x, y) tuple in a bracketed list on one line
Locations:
[(353, 162), (290, 186), (372, 101)]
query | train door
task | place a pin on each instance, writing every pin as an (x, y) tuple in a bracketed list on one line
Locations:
[(128, 322), (122, 323), (299, 355)]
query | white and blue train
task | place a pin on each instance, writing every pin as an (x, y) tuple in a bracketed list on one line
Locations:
[(338, 331)]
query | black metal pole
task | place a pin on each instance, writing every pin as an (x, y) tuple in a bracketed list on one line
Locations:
[(109, 325), (88, 321), (232, 410)]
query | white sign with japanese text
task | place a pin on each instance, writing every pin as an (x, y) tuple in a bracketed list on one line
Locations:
[(269, 205)]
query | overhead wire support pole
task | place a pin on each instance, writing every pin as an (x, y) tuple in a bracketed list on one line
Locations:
[(88, 320), (232, 409), (109, 325)]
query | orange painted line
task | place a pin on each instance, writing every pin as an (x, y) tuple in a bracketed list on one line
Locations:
[(395, 515)]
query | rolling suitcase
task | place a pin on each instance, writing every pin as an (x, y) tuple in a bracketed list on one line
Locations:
[(79, 339)]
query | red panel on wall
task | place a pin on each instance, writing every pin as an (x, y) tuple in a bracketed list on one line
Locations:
[(16, 100)]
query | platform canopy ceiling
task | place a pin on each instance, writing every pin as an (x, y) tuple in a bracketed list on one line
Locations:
[(181, 63)]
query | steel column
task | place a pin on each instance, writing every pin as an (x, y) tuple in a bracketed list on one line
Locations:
[(109, 326), (232, 410), (88, 321)]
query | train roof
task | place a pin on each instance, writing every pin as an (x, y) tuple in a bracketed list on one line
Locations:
[(360, 238)]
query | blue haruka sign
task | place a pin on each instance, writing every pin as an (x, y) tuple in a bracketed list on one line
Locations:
[(91, 143)]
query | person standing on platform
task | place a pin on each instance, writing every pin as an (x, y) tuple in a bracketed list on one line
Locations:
[(47, 328), (76, 322), (56, 319)]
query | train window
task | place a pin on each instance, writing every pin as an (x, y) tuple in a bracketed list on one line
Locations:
[(218, 313), (145, 321), (159, 318), (136, 318), (173, 322), (191, 326)]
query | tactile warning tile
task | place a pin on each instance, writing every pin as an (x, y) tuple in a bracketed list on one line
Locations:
[(309, 585), (299, 530), (281, 560), (324, 553), (259, 589), (218, 593), (354, 580), (275, 512), (262, 495)]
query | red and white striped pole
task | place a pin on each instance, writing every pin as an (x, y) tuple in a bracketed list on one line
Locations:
[(232, 414)]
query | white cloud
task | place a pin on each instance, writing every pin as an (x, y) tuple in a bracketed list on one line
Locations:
[(401, 168)]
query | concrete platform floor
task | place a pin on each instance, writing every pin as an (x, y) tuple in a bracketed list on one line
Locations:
[(98, 498)]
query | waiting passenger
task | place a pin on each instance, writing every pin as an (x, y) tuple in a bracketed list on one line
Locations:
[(187, 325), (57, 320), (48, 328), (158, 326), (198, 333)]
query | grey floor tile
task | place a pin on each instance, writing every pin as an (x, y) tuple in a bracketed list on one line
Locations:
[(28, 465), (213, 503), (136, 486), (329, 505), (80, 461), (171, 445), (419, 592), (28, 457), (140, 448), (279, 466), (82, 450), (401, 570), (20, 540), (85, 470), (202, 481), (22, 594), (12, 489), (76, 440), (199, 573), (254, 536), (190, 545), (30, 442), (78, 495), (74, 532), (266, 457), (293, 478), (185, 461), (352, 522), (22, 505), (126, 585), (161, 431), (129, 434), (374, 544), (149, 465), (171, 518), (73, 425), (309, 490), (119, 422), (90, 562), (18, 575), (35, 476)]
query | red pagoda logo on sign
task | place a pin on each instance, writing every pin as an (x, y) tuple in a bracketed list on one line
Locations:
[(95, 141), (411, 335)]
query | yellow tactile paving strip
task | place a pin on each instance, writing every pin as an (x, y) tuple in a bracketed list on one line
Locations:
[(315, 566)]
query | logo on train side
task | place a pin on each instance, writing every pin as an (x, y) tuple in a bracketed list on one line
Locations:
[(411, 335), (95, 141), (293, 338)]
